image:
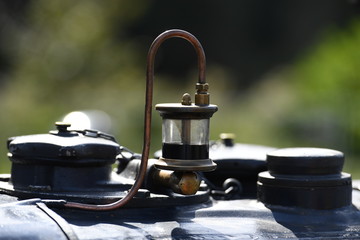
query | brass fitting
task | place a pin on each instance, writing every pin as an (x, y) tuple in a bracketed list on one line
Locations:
[(202, 87), (186, 183), (227, 139), (202, 97), (186, 99)]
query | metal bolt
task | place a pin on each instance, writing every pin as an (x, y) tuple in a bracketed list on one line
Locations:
[(186, 99)]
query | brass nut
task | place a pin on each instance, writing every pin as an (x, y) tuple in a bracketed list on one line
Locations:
[(202, 99), (202, 87)]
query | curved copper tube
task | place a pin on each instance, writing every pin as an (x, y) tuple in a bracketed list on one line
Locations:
[(180, 34), (148, 109)]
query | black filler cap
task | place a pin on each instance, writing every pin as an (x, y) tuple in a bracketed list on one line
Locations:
[(305, 178), (61, 162), (64, 147), (305, 161)]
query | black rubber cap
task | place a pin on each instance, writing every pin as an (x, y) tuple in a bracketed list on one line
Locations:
[(305, 161)]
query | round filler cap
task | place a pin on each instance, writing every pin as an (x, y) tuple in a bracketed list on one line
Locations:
[(305, 161)]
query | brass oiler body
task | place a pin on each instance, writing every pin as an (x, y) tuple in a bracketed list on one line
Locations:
[(186, 183)]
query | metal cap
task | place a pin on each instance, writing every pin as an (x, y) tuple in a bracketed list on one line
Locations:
[(305, 161), (64, 147), (180, 111), (305, 178)]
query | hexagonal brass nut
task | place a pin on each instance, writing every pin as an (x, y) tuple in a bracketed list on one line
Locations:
[(202, 87)]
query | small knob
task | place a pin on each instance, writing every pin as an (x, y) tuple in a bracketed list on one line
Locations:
[(62, 127), (186, 99), (227, 139)]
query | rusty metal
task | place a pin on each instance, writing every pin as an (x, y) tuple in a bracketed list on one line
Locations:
[(148, 110)]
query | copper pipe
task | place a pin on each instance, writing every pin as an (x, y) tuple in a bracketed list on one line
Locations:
[(147, 120), (179, 34)]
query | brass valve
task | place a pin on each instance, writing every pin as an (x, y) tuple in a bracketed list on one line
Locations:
[(186, 183)]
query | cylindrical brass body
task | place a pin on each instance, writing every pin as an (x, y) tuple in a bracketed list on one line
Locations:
[(186, 183)]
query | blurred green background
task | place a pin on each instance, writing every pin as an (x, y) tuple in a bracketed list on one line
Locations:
[(283, 73)]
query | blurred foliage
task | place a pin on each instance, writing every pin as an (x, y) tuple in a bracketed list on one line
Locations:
[(312, 103), (75, 55), (327, 85), (68, 57)]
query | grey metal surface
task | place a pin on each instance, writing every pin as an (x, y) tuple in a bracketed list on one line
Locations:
[(233, 219), (24, 220)]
